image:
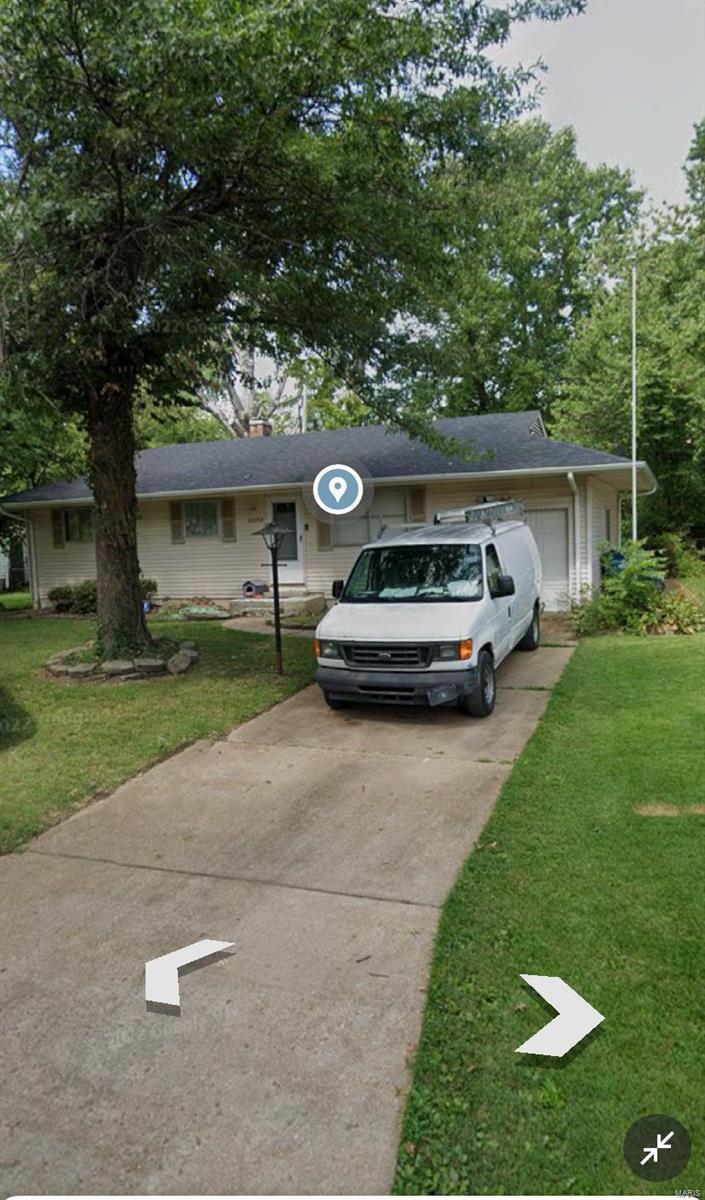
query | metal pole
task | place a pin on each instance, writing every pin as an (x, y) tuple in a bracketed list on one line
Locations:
[(634, 520), (277, 616)]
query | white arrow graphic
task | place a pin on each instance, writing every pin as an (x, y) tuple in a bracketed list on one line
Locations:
[(574, 1021), (161, 975), (662, 1143)]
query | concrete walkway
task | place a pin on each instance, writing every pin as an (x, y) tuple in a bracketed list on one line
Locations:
[(323, 844)]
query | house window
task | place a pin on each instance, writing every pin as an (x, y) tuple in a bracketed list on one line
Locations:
[(201, 519), (388, 508), (78, 525)]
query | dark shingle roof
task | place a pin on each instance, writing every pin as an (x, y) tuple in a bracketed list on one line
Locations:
[(515, 441)]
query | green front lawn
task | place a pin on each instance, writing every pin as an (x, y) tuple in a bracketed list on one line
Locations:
[(14, 600), (569, 880), (61, 743)]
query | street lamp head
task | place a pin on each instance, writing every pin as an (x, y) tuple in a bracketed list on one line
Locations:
[(272, 534)]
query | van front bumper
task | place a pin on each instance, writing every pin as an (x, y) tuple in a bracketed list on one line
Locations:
[(394, 687)]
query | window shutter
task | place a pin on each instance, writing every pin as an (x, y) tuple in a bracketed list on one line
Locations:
[(324, 535), (417, 505), (57, 528), (176, 512), (227, 521)]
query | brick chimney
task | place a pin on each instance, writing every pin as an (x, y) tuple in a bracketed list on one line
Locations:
[(259, 427)]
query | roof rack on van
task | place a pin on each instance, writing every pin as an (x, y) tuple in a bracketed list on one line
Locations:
[(483, 514)]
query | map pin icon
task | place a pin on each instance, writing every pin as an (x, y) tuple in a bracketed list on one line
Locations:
[(338, 487)]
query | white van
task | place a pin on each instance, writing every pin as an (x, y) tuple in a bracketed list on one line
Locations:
[(427, 615)]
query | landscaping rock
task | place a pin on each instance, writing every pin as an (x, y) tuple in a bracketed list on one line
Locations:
[(81, 670), (178, 664), (187, 645), (117, 666), (191, 655), (58, 668), (149, 666)]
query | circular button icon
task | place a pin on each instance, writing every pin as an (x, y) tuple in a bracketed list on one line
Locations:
[(657, 1147), (338, 489)]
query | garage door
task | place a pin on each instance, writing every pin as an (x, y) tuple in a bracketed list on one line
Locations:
[(550, 528)]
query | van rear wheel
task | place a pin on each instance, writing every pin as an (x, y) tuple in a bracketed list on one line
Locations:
[(479, 701), (532, 637)]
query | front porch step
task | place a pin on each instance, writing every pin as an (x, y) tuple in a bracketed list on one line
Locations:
[(263, 606)]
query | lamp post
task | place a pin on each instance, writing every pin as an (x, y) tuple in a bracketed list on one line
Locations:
[(273, 538)]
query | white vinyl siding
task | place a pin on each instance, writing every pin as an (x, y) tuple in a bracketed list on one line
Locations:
[(603, 519), (202, 566), (70, 563), (388, 509), (214, 567)]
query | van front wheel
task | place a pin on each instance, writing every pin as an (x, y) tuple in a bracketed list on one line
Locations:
[(479, 701)]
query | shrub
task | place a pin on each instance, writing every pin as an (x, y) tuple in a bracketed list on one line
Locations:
[(629, 597), (678, 613), (682, 558), (61, 597), (85, 597), (633, 600), (82, 597)]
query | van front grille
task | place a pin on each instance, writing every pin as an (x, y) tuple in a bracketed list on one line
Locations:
[(381, 655)]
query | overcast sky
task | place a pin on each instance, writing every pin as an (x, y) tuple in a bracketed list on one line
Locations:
[(629, 76)]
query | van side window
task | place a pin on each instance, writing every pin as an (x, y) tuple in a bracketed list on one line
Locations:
[(494, 570)]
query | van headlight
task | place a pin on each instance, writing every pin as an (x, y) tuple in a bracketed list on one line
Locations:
[(327, 649), (447, 651)]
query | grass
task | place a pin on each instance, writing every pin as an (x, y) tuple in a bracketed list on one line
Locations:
[(62, 743), (568, 880), (14, 600)]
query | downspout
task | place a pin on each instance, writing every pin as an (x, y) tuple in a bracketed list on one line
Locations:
[(33, 581), (576, 532)]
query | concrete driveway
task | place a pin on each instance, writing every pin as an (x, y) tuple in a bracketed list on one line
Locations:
[(323, 844)]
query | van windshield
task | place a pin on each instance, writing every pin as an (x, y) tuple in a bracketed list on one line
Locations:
[(430, 572)]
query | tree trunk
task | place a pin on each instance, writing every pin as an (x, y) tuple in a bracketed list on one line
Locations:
[(122, 630)]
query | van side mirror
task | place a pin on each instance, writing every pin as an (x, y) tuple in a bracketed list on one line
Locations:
[(337, 588), (504, 586)]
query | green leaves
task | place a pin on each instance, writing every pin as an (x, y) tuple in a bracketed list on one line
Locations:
[(167, 155), (595, 402)]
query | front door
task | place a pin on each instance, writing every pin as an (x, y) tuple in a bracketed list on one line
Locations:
[(286, 514)]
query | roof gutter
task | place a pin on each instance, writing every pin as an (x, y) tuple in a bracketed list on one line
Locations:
[(459, 476)]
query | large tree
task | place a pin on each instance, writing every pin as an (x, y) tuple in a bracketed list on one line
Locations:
[(524, 275), (174, 168), (595, 405)]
